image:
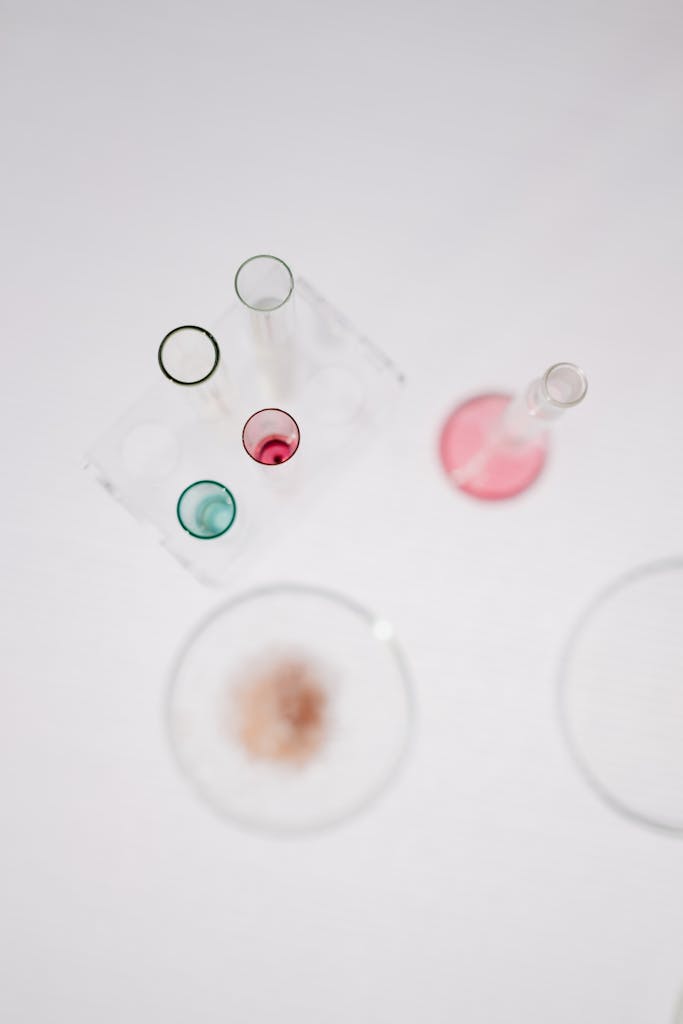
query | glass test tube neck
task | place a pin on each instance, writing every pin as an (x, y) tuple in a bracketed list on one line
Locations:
[(561, 387)]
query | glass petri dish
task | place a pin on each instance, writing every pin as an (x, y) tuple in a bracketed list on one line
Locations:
[(622, 694), (290, 708), (264, 283)]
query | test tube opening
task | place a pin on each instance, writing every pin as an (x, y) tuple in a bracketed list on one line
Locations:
[(264, 283), (188, 355), (206, 509), (565, 384)]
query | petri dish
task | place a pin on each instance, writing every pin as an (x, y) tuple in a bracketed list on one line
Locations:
[(622, 694), (290, 708)]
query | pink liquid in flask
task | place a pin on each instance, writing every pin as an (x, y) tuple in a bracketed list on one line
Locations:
[(480, 462)]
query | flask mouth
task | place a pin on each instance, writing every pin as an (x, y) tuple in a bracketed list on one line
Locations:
[(564, 385)]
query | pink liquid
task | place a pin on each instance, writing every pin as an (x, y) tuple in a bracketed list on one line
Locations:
[(274, 449), (505, 469)]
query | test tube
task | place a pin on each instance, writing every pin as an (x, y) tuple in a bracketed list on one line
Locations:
[(206, 509), (190, 356), (265, 286), (271, 436)]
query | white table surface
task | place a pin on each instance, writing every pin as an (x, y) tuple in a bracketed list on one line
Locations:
[(485, 188)]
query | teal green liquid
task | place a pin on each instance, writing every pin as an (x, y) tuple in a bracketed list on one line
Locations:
[(214, 514)]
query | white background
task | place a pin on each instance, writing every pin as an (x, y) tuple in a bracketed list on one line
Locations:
[(485, 188)]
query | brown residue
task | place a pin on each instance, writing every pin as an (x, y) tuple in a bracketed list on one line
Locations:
[(281, 712)]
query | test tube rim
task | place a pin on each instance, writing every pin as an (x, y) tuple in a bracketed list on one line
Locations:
[(264, 256), (271, 408), (216, 483), (200, 380)]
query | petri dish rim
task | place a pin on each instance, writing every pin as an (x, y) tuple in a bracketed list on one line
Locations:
[(393, 769), (615, 803)]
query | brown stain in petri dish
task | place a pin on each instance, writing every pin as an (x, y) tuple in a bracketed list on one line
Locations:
[(282, 712)]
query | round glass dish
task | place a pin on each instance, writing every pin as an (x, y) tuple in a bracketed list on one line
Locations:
[(290, 708), (622, 694)]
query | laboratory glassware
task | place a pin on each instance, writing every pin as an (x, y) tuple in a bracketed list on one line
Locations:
[(271, 436), (265, 286), (494, 446), (188, 355), (206, 509), (342, 390), (621, 694), (289, 708)]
